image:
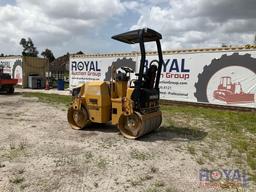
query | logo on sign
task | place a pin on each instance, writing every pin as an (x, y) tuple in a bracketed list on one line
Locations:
[(85, 66)]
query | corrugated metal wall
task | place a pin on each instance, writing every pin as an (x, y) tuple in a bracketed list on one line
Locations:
[(34, 65)]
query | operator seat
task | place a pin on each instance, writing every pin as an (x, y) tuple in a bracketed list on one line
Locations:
[(150, 77)]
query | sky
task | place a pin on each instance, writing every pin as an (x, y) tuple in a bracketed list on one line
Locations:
[(82, 25)]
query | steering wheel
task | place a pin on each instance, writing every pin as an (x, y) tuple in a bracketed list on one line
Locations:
[(127, 69)]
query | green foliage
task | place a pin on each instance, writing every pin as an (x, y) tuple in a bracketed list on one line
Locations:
[(47, 53), (28, 47)]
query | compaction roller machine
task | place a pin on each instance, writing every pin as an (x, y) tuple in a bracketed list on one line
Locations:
[(131, 105)]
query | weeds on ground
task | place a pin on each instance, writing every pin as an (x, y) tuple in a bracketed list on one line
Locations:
[(2, 165), (200, 160), (16, 179), (231, 121), (15, 150), (156, 188), (170, 189), (191, 149), (102, 163), (159, 184), (235, 129), (12, 145), (135, 182), (135, 154), (153, 169), (146, 177), (51, 98), (22, 144), (139, 180)]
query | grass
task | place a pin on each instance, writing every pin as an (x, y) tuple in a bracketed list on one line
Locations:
[(12, 145), (200, 160), (159, 184), (51, 98), (14, 153), (21, 170), (232, 121), (135, 154), (139, 180), (88, 155), (17, 179), (15, 150), (153, 169), (22, 144), (191, 149), (146, 177), (102, 163), (236, 130), (170, 189), (156, 188), (135, 182)]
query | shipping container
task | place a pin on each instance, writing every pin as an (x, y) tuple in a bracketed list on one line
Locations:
[(13, 66), (221, 76), (21, 67)]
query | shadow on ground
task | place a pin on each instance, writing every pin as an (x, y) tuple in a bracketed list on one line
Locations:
[(164, 133), (105, 128), (8, 94), (172, 133)]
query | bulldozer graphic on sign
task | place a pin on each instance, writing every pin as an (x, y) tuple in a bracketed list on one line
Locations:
[(232, 92)]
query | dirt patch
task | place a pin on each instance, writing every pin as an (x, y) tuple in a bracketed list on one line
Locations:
[(39, 152)]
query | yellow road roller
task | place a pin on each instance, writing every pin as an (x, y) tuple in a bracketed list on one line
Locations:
[(131, 105)]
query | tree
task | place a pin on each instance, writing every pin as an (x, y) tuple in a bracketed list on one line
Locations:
[(28, 47), (47, 53)]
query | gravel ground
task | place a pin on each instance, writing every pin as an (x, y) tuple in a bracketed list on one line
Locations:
[(39, 152)]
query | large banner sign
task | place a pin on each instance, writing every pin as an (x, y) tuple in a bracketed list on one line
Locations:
[(223, 78), (12, 66), (91, 69)]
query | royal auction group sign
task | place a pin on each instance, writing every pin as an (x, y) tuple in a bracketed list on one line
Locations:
[(223, 78)]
